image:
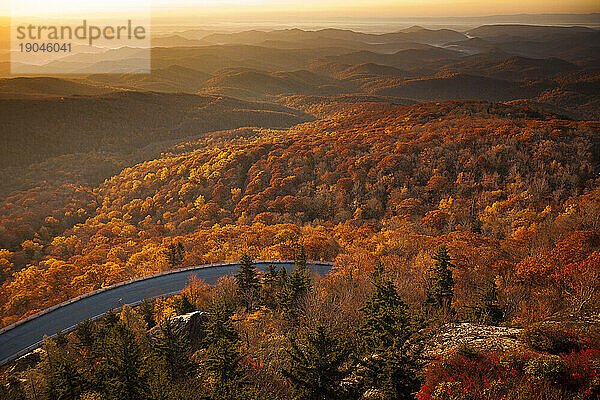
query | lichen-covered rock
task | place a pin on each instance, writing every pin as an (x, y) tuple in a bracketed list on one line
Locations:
[(192, 323), (482, 338)]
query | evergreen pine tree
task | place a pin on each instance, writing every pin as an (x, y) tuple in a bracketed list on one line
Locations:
[(300, 280), (89, 349), (300, 258), (270, 286), (123, 365), (247, 278), (248, 282), (86, 334), (183, 304), (317, 369), (147, 312), (294, 287), (61, 339), (171, 347), (440, 290), (301, 271), (283, 278), (272, 276), (66, 382), (385, 331), (386, 319), (110, 319), (11, 388), (222, 355)]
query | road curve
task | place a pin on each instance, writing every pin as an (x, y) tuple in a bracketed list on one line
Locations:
[(25, 335)]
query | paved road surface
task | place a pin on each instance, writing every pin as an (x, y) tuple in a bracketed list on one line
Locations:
[(24, 336)]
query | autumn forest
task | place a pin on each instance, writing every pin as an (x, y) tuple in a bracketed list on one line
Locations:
[(453, 180)]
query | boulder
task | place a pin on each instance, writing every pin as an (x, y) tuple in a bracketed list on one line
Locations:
[(192, 323), (483, 338)]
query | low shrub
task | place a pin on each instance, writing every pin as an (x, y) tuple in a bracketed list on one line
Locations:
[(552, 339), (513, 376), (546, 367)]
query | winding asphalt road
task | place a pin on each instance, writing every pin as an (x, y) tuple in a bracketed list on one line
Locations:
[(25, 335)]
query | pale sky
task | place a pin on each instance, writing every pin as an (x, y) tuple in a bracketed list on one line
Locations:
[(323, 8)]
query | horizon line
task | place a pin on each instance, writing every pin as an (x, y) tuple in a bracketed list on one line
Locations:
[(352, 18)]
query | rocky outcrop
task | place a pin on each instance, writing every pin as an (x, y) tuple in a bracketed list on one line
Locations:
[(192, 324), (481, 338), (29, 360)]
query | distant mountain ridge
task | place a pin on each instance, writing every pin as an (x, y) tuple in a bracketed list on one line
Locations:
[(414, 34), (553, 67)]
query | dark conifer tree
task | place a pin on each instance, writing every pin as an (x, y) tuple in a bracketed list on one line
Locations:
[(247, 278), (222, 355), (86, 333), (171, 347), (123, 365), (283, 277), (110, 319), (147, 312), (318, 368), (11, 388), (385, 332), (270, 286), (66, 382), (440, 284), (301, 259), (294, 287), (386, 318), (89, 346), (60, 339), (176, 252), (248, 282), (183, 304)]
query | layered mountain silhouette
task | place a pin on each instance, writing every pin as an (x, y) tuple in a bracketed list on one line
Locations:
[(197, 75)]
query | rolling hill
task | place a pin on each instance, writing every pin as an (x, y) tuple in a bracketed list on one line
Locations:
[(367, 70), (122, 122), (252, 84), (526, 31), (46, 86), (405, 59), (173, 78), (513, 68), (457, 86)]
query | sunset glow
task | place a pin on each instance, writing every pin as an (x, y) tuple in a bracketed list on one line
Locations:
[(291, 8)]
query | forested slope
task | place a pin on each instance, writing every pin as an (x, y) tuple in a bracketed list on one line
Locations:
[(506, 188)]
